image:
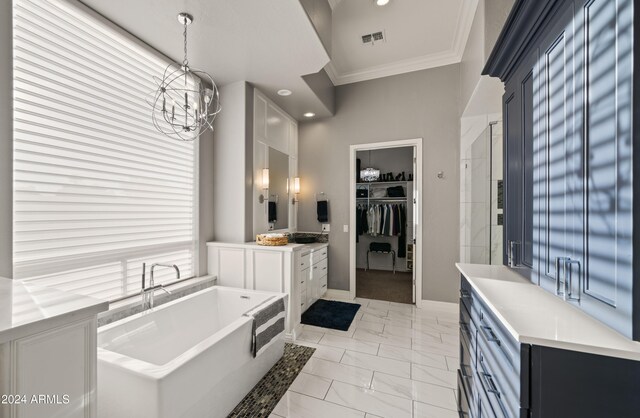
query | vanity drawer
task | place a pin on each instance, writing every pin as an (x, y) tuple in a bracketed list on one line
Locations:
[(467, 363), (323, 285), (305, 261), (497, 378), (469, 299), (465, 398), (320, 268), (319, 255), (303, 301), (499, 339)]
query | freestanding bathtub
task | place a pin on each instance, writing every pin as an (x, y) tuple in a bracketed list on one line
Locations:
[(188, 358)]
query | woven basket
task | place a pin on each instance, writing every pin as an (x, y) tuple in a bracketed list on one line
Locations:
[(271, 240)]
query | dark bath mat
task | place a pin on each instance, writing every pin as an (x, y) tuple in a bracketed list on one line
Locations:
[(330, 314), (264, 396)]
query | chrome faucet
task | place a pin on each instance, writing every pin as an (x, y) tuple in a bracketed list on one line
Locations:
[(148, 292)]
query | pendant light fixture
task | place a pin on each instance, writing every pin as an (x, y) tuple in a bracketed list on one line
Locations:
[(187, 100)]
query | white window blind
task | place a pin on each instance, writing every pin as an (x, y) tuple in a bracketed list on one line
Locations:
[(97, 190)]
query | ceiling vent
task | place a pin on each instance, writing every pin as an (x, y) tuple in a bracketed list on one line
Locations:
[(372, 38)]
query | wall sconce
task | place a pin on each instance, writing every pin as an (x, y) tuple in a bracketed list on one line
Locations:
[(296, 190), (265, 183)]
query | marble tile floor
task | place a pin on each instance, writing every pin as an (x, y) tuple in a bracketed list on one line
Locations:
[(395, 361)]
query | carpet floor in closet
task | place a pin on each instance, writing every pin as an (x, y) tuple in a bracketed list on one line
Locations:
[(384, 285)]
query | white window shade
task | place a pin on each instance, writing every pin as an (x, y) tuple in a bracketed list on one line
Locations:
[(97, 190)]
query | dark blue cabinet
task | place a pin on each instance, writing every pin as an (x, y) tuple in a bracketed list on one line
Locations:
[(569, 135), (607, 52)]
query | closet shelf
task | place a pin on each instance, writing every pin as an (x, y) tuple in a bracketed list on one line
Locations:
[(382, 183), (382, 199)]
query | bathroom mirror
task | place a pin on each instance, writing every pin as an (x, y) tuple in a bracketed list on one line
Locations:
[(278, 201)]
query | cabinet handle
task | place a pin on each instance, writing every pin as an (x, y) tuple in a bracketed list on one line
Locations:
[(491, 386), (568, 283), (512, 254), (324, 285), (561, 262), (324, 268), (302, 282), (464, 293), (489, 334), (302, 304)]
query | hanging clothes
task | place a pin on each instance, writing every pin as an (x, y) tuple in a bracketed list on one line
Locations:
[(402, 236)]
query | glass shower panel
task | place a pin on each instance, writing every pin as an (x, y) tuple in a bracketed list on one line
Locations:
[(481, 201)]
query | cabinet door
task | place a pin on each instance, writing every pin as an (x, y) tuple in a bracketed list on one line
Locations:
[(308, 277), (607, 57), (512, 166), (556, 148)]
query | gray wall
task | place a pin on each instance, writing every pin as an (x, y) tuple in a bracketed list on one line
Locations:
[(319, 12), (485, 29), (422, 104), (6, 141)]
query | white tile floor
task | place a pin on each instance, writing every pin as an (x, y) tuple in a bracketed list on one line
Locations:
[(395, 361)]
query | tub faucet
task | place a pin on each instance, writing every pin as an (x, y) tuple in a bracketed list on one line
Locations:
[(148, 292)]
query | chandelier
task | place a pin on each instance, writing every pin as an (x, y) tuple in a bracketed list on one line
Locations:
[(370, 174), (187, 99)]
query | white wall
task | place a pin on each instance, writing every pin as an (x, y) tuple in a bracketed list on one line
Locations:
[(6, 141), (232, 176), (422, 104)]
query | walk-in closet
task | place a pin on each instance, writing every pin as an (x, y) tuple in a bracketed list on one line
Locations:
[(384, 224)]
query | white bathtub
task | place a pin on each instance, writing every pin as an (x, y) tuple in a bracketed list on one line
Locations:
[(188, 358)]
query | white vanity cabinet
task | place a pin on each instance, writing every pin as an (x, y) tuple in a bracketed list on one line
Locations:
[(48, 352), (319, 271), (300, 270)]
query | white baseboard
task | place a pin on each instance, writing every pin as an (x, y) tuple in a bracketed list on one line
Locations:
[(337, 294), (438, 305)]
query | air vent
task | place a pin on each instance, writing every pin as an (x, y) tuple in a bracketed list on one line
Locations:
[(372, 38), (377, 36)]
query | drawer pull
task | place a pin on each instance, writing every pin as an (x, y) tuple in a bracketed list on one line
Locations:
[(324, 285), (464, 293), (302, 282), (464, 327), (302, 304), (491, 386), (324, 268), (489, 334)]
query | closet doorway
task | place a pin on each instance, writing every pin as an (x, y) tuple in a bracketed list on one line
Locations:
[(385, 215)]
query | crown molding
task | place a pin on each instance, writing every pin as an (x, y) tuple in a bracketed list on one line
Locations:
[(453, 55), (399, 67)]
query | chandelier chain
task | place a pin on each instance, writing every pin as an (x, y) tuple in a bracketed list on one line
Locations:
[(185, 61)]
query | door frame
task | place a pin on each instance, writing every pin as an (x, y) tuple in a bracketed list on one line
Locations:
[(418, 215)]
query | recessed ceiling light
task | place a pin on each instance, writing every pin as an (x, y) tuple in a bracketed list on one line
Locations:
[(382, 2), (284, 92), (309, 115)]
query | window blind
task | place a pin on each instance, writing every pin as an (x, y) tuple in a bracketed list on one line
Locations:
[(97, 190)]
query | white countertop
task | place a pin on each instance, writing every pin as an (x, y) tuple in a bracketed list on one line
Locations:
[(535, 316), (253, 245), (26, 308)]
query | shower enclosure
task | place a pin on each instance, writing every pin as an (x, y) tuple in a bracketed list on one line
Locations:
[(481, 200)]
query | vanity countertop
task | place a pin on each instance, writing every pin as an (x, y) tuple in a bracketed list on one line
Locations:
[(253, 245), (26, 308), (534, 316)]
